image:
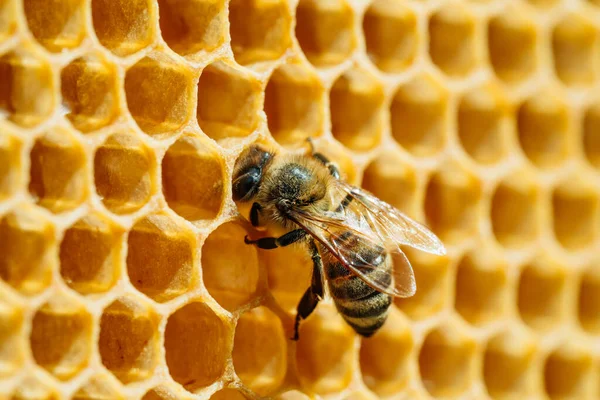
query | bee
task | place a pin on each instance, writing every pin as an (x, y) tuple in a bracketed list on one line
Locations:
[(349, 233)]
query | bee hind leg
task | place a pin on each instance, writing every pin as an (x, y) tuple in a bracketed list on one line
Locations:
[(313, 294)]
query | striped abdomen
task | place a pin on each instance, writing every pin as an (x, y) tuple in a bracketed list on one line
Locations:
[(364, 308)]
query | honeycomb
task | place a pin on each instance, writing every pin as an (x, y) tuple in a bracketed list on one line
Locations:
[(123, 269)]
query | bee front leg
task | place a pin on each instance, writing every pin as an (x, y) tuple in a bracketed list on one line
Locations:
[(269, 243), (314, 293)]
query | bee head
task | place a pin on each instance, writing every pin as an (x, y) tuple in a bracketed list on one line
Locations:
[(248, 172)]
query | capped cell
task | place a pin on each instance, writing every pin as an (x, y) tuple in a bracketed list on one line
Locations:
[(33, 388)]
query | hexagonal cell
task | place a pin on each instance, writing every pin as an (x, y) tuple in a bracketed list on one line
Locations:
[(57, 172), (99, 386), (124, 173), (589, 300), (32, 388), (12, 352), (161, 258), (193, 175), (432, 274), (293, 104), (27, 243), (576, 214), (61, 337), (8, 24), (447, 361), (512, 42), (452, 203), (260, 351), (124, 26), (541, 294), (515, 210), (56, 25), (452, 38), (385, 357), (189, 27), (355, 102), (481, 294), (419, 116), (129, 339), (568, 373), (576, 49), (591, 135), (324, 30), (230, 268), (390, 30), (543, 125), (228, 394), (197, 345), (164, 114), (292, 395), (89, 91), (392, 180), (26, 88), (90, 254), (508, 371), (324, 353), (166, 392), (483, 124), (228, 101), (260, 29), (10, 165)]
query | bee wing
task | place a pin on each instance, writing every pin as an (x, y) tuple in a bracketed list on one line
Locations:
[(391, 225), (332, 232)]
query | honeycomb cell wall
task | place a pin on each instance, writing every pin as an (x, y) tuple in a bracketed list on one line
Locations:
[(123, 270)]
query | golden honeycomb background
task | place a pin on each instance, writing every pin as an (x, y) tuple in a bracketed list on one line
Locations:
[(123, 269)]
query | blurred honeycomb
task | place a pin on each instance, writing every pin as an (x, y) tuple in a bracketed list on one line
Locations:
[(123, 269)]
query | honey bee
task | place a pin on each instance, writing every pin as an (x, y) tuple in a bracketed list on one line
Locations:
[(349, 233)]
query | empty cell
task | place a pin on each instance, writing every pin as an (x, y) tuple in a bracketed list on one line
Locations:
[(324, 29), (197, 345), (89, 92), (10, 165), (391, 36), (576, 214), (569, 373), (294, 104), (419, 116), (452, 40), (129, 339), (230, 268), (355, 102), (58, 179), (90, 254), (161, 258), (56, 24), (8, 24), (32, 388), (385, 357), (591, 135), (576, 50), (543, 125), (452, 203), (166, 392), (292, 395), (260, 351), (481, 294), (260, 29), (159, 94), (12, 351), (189, 27), (393, 180), (589, 300), (26, 88), (228, 101), (228, 394), (508, 369), (432, 274), (193, 175), (447, 362), (515, 211), (99, 386), (512, 45), (483, 124), (541, 295), (61, 337), (27, 245), (123, 26), (325, 352), (124, 171)]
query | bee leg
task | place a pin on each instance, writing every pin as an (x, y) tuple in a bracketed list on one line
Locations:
[(269, 243), (254, 211), (333, 169), (314, 293)]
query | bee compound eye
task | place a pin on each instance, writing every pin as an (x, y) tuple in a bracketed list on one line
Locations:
[(247, 184)]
